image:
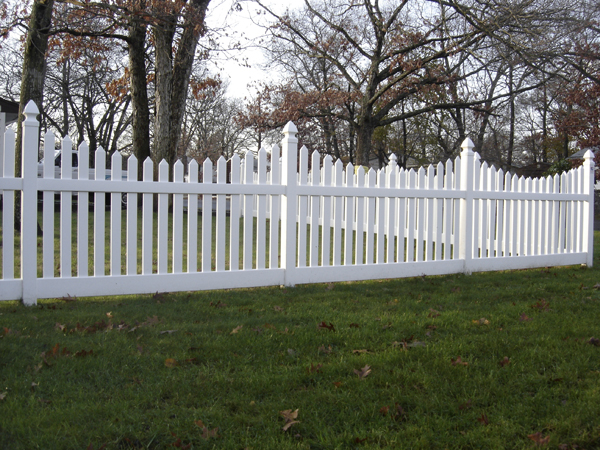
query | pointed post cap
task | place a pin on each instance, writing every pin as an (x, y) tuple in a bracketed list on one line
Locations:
[(468, 146), (290, 128), (31, 112), (588, 155), (290, 132), (31, 108)]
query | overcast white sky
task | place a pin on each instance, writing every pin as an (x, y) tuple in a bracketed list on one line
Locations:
[(240, 27)]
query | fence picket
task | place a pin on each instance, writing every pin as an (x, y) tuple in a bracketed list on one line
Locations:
[(430, 219), (390, 203), (221, 223), (338, 205), (261, 212), (177, 231), (132, 208), (370, 215), (274, 211), (412, 204), (349, 215), (8, 214), (326, 214), (207, 207), (360, 218), (380, 218), (248, 208), (400, 246), (234, 216), (65, 240), (99, 216), (315, 180), (302, 207), (115, 217), (192, 225), (438, 212), (48, 209)]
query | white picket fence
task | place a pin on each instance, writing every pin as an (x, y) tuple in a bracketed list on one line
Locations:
[(283, 226)]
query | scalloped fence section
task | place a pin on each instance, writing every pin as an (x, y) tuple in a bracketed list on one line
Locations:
[(251, 221)]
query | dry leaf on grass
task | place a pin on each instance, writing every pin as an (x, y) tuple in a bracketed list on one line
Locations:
[(170, 362), (236, 329), (364, 372), (539, 439), (458, 362), (505, 361), (290, 418)]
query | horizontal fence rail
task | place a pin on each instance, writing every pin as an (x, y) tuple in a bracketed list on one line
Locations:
[(293, 219)]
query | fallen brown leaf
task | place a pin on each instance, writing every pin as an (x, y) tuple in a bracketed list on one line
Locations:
[(364, 350), (364, 372), (594, 341), (483, 419), (290, 418), (482, 321), (3, 396), (315, 369), (505, 361), (433, 313), (539, 439), (468, 404), (325, 326), (524, 318), (458, 361), (237, 329), (170, 362)]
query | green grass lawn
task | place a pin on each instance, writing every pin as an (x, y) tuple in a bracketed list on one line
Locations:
[(489, 361)]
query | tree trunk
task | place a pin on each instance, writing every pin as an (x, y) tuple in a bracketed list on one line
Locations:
[(163, 40), (173, 78), (364, 137), (140, 115), (511, 136), (32, 78)]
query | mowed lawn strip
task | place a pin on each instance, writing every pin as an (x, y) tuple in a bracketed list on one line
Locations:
[(491, 360)]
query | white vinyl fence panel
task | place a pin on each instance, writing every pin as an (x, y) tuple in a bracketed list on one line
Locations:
[(286, 224)]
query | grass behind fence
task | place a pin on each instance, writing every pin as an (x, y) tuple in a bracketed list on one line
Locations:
[(492, 360)]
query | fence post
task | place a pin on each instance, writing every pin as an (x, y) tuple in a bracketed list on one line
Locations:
[(289, 202), (29, 204), (467, 162), (588, 207)]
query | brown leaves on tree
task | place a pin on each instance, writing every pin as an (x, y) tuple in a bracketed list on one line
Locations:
[(458, 362), (326, 326), (363, 372), (290, 418), (539, 439)]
